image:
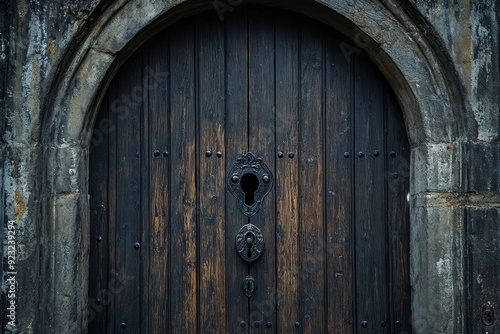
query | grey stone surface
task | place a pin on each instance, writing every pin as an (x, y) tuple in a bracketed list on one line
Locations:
[(441, 57), (437, 240)]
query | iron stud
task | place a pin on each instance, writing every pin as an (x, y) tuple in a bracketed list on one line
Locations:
[(297, 324), (383, 324), (376, 153), (235, 178), (137, 245), (346, 154), (398, 323), (256, 324), (99, 238), (291, 155), (242, 324), (165, 153), (364, 324), (208, 154), (123, 325), (269, 325), (361, 154), (219, 154), (265, 178), (392, 154), (156, 153), (280, 154)]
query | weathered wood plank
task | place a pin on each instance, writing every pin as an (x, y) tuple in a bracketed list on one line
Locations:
[(145, 188), (287, 173), (261, 102), (99, 241), (127, 260), (370, 206), (183, 288), (211, 186), (338, 192), (112, 201), (236, 144), (397, 180), (311, 176), (158, 208)]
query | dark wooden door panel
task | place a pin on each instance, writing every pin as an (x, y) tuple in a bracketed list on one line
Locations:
[(261, 136), (236, 109), (311, 180), (287, 172), (211, 189), (183, 273), (339, 166), (164, 223)]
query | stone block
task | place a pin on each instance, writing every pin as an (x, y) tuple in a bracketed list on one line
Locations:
[(436, 266), (69, 166), (69, 247), (437, 167)]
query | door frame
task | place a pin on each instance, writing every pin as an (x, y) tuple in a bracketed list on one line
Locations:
[(423, 79)]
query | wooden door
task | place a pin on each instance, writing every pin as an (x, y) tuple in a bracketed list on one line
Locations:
[(164, 220)]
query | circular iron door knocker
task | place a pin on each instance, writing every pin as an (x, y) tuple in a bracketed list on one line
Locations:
[(249, 243)]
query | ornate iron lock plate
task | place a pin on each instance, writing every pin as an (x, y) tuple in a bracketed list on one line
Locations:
[(250, 180), (249, 243)]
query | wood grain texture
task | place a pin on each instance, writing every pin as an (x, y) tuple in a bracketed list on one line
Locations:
[(339, 135), (157, 204), (211, 189), (397, 182), (98, 188), (286, 176), (261, 131), (183, 248), (127, 232), (311, 181), (236, 144), (369, 186)]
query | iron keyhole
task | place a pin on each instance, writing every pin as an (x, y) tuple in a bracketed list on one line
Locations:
[(249, 184), (250, 239)]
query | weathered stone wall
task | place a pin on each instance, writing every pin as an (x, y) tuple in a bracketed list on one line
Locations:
[(455, 156)]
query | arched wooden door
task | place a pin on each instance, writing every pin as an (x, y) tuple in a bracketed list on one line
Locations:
[(257, 135)]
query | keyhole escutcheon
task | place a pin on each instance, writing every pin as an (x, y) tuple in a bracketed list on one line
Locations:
[(250, 180)]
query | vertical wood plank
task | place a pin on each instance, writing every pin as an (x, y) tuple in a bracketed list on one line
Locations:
[(159, 317), (286, 176), (339, 193), (261, 101), (128, 219), (183, 194), (311, 178), (98, 190), (236, 136), (370, 205), (211, 188), (145, 163), (397, 180), (112, 200)]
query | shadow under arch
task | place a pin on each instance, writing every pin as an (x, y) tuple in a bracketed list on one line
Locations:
[(398, 39)]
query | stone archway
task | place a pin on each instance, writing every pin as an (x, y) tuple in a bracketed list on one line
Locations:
[(398, 41)]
